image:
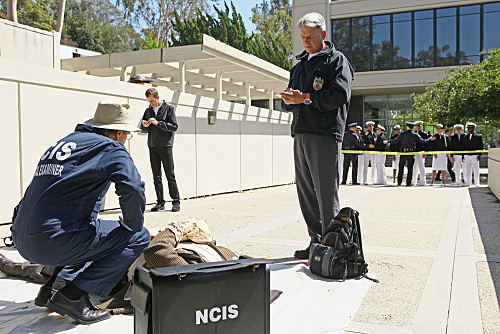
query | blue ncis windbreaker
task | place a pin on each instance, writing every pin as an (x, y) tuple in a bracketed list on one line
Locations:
[(71, 179)]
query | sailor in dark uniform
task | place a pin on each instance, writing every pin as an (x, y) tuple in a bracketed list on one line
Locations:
[(352, 142), (408, 140)]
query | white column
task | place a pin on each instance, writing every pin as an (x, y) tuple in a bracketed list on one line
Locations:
[(182, 76), (124, 73), (218, 77), (247, 91), (271, 100)]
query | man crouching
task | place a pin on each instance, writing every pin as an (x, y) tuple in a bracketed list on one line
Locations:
[(57, 222)]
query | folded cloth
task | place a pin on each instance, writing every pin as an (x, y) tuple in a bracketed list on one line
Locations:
[(195, 230)]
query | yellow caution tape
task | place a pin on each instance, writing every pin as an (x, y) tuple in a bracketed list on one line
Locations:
[(413, 153)]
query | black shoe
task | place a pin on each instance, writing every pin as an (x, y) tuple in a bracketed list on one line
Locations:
[(302, 254), (355, 184), (44, 295), (343, 183), (158, 207), (81, 310), (176, 206)]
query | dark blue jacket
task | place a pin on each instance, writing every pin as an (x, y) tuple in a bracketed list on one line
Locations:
[(327, 114), (71, 179)]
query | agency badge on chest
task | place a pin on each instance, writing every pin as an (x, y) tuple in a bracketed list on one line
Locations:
[(318, 83)]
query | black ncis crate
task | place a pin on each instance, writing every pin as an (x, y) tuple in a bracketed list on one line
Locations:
[(216, 297)]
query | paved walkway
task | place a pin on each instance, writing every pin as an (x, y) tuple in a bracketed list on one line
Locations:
[(436, 250)]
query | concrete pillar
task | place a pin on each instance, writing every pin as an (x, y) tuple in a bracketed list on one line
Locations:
[(125, 70), (218, 91), (247, 91), (271, 100), (182, 76)]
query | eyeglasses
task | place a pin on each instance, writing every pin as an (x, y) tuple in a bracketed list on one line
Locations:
[(130, 136)]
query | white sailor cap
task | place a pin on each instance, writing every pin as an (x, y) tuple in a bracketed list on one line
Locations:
[(419, 123), (470, 125), (358, 127), (380, 127), (458, 126), (439, 126), (370, 123), (397, 127)]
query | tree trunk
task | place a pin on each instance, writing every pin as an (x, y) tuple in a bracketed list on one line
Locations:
[(60, 15), (12, 10)]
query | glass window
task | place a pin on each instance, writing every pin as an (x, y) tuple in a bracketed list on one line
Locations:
[(340, 33), (446, 37), (424, 39), (402, 40), (491, 7), (469, 35), (375, 107), (361, 44), (402, 17), (491, 26), (381, 42)]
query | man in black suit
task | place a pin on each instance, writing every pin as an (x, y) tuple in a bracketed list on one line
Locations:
[(472, 141), (160, 123)]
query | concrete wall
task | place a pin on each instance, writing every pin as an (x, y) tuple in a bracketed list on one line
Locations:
[(494, 171), (29, 45), (249, 147)]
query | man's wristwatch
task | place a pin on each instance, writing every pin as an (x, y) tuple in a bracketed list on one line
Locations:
[(307, 100)]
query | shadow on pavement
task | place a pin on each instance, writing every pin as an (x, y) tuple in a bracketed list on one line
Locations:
[(487, 213)]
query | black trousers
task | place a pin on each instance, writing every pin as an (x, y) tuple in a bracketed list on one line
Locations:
[(317, 173), (348, 158), (402, 162), (157, 157)]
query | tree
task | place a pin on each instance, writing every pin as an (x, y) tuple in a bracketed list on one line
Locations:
[(158, 15), (14, 7), (38, 14), (468, 93), (99, 26), (228, 27), (273, 20)]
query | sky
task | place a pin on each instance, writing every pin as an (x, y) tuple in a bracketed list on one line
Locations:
[(244, 7)]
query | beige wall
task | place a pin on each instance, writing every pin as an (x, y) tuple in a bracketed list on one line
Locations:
[(494, 171), (249, 147), (29, 45)]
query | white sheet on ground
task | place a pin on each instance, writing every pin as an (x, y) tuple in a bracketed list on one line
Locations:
[(308, 304)]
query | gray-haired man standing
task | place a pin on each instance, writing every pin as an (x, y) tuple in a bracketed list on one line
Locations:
[(318, 94)]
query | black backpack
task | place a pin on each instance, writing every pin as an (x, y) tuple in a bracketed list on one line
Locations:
[(340, 254)]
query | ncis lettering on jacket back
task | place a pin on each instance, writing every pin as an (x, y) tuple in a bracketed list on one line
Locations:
[(83, 163)]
